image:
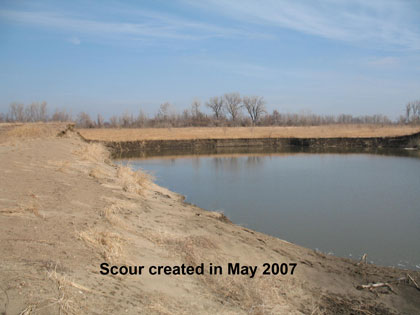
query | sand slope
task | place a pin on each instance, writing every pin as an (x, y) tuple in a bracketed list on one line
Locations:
[(65, 209)]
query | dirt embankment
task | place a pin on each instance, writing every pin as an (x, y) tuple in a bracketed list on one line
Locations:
[(160, 141), (196, 133), (65, 208)]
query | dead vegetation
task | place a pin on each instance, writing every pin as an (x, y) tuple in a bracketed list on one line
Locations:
[(68, 300), (30, 309), (97, 173), (32, 130), (112, 215), (133, 181), (93, 152), (109, 244), (130, 181), (31, 205), (259, 295), (329, 131), (11, 133)]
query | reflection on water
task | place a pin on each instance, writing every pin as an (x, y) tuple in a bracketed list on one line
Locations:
[(259, 150), (345, 204)]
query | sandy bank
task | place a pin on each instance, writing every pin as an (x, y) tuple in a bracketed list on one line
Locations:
[(65, 209)]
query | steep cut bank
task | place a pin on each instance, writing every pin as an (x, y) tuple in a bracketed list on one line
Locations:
[(65, 209), (196, 140)]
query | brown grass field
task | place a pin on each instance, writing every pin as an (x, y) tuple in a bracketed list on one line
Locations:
[(331, 131)]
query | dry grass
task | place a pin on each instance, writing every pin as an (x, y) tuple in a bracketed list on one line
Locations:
[(133, 181), (97, 173), (218, 215), (31, 206), (67, 302), (110, 245), (246, 132), (111, 214), (64, 280), (30, 309), (260, 295), (22, 131), (93, 152)]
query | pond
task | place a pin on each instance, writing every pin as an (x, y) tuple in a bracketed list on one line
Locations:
[(341, 204)]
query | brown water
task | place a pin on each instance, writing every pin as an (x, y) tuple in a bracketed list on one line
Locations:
[(342, 204)]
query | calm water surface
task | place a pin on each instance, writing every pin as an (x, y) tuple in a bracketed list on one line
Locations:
[(342, 204)]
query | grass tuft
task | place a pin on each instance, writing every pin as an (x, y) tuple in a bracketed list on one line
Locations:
[(110, 245), (133, 181), (111, 214), (93, 152), (30, 309)]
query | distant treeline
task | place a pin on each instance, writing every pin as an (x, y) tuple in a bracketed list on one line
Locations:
[(228, 110)]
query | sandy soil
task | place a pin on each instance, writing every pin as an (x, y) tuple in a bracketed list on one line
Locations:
[(65, 208), (330, 131)]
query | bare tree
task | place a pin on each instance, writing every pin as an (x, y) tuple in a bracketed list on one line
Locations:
[(126, 120), (165, 117), (17, 112), (233, 105), (195, 109), (229, 104), (61, 115), (36, 112), (198, 118), (113, 121), (163, 113), (99, 121), (412, 111), (43, 111), (186, 118), (275, 118), (84, 121), (407, 112), (32, 112), (216, 105), (416, 110), (255, 105), (141, 119)]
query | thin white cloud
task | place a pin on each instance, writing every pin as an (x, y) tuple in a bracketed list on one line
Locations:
[(252, 70), (384, 61), (56, 20), (75, 41), (236, 67), (390, 23), (152, 26), (184, 24)]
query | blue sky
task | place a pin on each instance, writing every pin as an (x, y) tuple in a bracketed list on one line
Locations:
[(327, 57)]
